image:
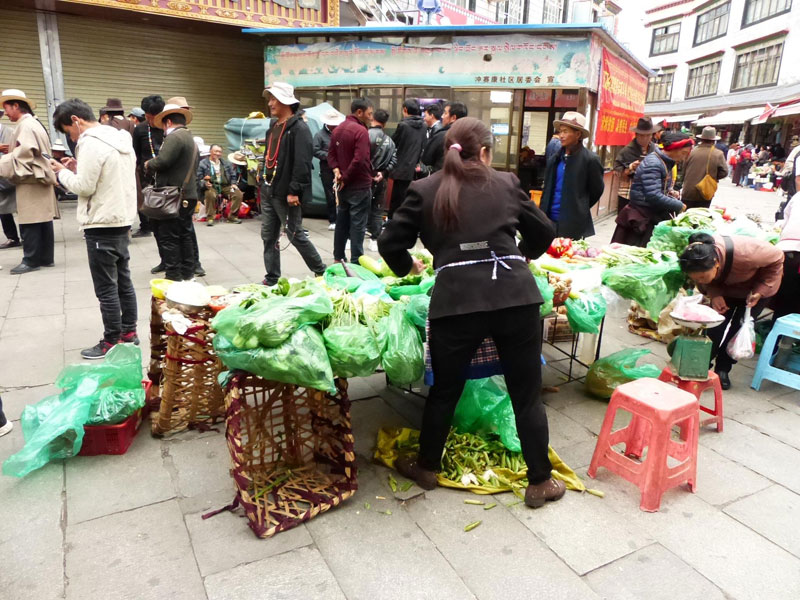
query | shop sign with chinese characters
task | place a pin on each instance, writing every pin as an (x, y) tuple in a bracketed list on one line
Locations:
[(622, 94), (519, 61)]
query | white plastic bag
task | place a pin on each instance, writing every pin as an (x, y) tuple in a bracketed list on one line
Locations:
[(743, 344)]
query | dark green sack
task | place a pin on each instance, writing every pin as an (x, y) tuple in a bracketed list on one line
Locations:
[(485, 407), (352, 350), (401, 347)]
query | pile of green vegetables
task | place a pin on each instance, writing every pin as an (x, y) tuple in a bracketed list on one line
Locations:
[(673, 234)]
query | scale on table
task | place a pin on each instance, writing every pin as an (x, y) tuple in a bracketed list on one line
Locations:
[(690, 352)]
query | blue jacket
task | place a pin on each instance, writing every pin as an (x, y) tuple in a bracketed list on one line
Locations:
[(651, 183)]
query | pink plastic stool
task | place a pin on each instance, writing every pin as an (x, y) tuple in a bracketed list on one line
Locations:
[(658, 406), (697, 388)]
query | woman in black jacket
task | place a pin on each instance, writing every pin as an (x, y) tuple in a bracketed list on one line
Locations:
[(468, 215)]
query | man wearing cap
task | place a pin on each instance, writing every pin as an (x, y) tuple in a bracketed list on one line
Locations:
[(216, 177), (25, 166), (322, 141), (175, 164), (349, 157), (113, 114), (573, 180), (631, 156), (704, 160), (285, 180), (136, 116), (8, 196), (147, 142)]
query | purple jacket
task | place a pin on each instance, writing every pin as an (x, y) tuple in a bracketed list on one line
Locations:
[(350, 153)]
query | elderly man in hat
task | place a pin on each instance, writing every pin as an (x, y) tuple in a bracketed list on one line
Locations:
[(25, 166), (631, 156), (113, 114), (285, 181), (175, 165), (322, 141), (573, 180), (8, 195), (217, 178), (705, 159)]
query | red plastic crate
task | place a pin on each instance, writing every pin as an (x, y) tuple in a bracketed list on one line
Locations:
[(112, 439)]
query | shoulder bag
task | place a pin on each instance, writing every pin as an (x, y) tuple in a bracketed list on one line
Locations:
[(708, 185), (162, 203)]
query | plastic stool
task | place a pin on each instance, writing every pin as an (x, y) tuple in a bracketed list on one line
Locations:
[(697, 388), (661, 406), (788, 326)]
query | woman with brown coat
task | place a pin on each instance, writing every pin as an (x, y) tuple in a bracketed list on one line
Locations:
[(468, 216)]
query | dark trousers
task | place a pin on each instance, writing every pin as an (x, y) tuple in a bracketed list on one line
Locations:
[(177, 244), (399, 189), (275, 213), (9, 227), (351, 222), (154, 226), (621, 203), (326, 175), (144, 222), (787, 300), (3, 419), (375, 224), (453, 341), (735, 314), (195, 248), (38, 244), (111, 275)]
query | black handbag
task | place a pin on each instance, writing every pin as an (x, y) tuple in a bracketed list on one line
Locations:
[(162, 203)]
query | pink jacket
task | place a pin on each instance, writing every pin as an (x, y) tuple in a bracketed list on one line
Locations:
[(757, 267)]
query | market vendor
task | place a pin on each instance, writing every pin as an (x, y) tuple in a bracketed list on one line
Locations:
[(468, 215), (652, 198), (734, 273)]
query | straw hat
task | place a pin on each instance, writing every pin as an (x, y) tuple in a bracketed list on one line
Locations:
[(709, 135), (12, 94), (572, 119), (176, 105), (283, 93), (332, 118), (237, 158)]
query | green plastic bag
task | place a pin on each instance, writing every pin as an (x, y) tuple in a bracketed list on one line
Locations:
[(417, 310), (653, 286), (399, 291), (615, 369), (586, 313), (675, 239), (337, 278), (352, 350), (301, 359), (485, 407), (401, 347), (547, 292)]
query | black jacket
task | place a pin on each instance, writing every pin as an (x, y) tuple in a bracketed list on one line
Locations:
[(176, 159), (583, 186), (409, 138), (141, 142), (490, 214), (382, 150), (433, 155), (293, 172), (321, 143), (630, 153), (229, 175)]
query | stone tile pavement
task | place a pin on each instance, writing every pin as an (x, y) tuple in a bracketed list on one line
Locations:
[(130, 527)]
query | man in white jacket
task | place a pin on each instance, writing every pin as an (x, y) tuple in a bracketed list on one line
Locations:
[(104, 178)]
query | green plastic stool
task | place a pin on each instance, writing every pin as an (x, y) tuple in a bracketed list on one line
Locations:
[(788, 326)]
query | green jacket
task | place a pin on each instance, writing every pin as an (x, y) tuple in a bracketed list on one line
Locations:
[(178, 155)]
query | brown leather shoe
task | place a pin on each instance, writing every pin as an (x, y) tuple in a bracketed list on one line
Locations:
[(409, 468), (537, 495)]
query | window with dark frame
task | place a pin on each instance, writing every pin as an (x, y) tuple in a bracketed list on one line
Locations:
[(756, 11), (665, 39), (757, 67), (703, 80), (659, 89), (712, 24)]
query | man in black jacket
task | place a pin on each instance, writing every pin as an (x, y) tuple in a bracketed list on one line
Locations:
[(322, 141), (175, 165), (286, 182), (147, 141), (433, 155), (383, 155), (573, 180), (409, 138)]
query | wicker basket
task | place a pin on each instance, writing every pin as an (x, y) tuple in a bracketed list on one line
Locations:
[(292, 450), (191, 396), (158, 345)]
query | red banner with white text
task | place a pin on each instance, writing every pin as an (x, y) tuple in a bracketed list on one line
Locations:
[(622, 95)]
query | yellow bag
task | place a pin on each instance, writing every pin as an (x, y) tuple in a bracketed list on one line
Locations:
[(708, 185)]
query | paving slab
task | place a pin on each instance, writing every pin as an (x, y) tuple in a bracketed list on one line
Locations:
[(577, 455), (367, 417), (202, 465), (45, 305), (787, 399), (774, 513), (40, 326), (565, 431), (375, 556), (19, 367), (15, 400), (225, 541), (500, 554), (102, 485), (778, 423), (654, 573), (301, 573), (590, 414), (720, 480), (142, 553)]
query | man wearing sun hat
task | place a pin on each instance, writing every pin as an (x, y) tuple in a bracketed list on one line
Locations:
[(573, 180), (176, 159), (631, 157), (704, 159), (26, 167), (322, 141)]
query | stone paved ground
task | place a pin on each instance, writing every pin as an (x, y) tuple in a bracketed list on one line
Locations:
[(130, 526)]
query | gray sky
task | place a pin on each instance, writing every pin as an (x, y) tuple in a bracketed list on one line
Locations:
[(630, 27)]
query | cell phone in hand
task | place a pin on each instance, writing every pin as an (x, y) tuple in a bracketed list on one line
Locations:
[(47, 156)]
